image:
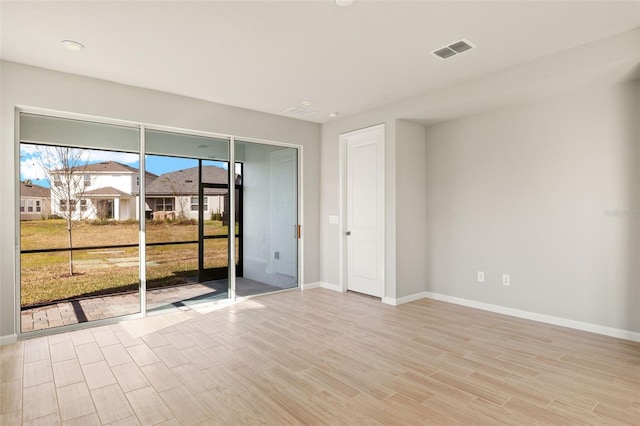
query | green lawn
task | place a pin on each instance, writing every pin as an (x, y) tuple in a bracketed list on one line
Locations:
[(45, 276)]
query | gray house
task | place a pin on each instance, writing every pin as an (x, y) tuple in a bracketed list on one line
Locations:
[(35, 201), (175, 194)]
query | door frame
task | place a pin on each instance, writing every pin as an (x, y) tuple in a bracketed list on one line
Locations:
[(342, 252), (209, 274), (300, 207)]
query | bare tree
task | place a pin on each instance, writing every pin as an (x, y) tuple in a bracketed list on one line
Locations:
[(184, 203), (180, 194), (65, 168)]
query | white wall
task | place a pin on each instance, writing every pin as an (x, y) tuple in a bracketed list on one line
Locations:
[(524, 191), (521, 190), (405, 245), (411, 208), (119, 181), (330, 188), (36, 87), (585, 80)]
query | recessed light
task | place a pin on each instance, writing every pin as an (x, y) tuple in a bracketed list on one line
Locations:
[(334, 114), (344, 3), (306, 103), (72, 45)]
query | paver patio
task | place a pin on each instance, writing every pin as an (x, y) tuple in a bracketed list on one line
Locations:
[(110, 306)]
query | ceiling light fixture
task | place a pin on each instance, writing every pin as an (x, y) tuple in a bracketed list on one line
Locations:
[(344, 3), (306, 103), (72, 45), (334, 114)]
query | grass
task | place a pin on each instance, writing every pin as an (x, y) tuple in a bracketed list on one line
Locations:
[(45, 276)]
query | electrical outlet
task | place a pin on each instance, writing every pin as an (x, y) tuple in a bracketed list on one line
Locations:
[(506, 280), (480, 276)]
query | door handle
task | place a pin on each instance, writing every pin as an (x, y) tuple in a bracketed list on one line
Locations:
[(347, 233)]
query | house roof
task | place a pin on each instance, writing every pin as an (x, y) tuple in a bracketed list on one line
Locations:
[(185, 182), (107, 191), (32, 190), (109, 167)]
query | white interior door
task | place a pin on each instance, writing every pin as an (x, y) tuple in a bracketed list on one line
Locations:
[(364, 225)]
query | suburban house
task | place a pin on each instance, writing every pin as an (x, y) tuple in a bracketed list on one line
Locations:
[(175, 194), (35, 201), (439, 213), (109, 190), (104, 191)]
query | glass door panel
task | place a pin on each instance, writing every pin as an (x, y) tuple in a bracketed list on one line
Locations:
[(79, 257), (268, 177), (186, 243)]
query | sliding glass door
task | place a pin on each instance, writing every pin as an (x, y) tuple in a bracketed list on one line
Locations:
[(269, 213), (121, 219)]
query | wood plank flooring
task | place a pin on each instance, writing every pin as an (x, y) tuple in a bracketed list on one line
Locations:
[(321, 357)]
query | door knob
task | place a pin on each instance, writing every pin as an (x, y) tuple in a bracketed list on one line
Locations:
[(347, 233)]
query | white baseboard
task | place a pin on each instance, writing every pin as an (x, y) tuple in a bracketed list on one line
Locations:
[(321, 284), (310, 286), (8, 339), (402, 300), (549, 319), (329, 286)]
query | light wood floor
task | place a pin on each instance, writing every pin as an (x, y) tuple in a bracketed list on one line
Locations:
[(320, 357)]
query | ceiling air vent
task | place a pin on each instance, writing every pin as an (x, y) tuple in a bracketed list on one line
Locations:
[(298, 112), (453, 49)]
